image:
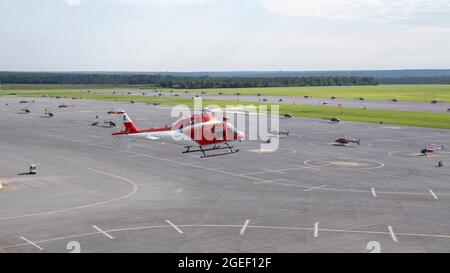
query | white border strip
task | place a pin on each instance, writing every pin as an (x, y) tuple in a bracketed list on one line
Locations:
[(31, 243), (316, 229), (174, 227), (391, 231), (433, 194), (244, 227), (103, 232), (373, 192)]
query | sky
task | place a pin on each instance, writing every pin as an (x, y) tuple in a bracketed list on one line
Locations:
[(223, 35)]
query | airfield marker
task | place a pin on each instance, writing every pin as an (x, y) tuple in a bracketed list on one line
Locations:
[(102, 232), (316, 229), (391, 231), (374, 193), (244, 227), (31, 243), (433, 194), (175, 227)]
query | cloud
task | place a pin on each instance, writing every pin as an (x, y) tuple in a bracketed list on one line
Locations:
[(429, 31), (162, 3), (153, 3), (73, 2), (358, 9)]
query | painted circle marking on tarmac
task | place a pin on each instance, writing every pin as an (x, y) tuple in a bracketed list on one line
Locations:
[(344, 163), (134, 190)]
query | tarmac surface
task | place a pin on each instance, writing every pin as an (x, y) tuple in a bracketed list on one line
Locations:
[(438, 107), (97, 193)]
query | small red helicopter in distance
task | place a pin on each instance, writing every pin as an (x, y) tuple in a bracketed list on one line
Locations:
[(198, 133), (345, 140), (431, 149)]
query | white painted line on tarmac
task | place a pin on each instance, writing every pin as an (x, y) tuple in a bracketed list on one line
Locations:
[(316, 229), (373, 192), (175, 227), (268, 181), (391, 232), (31, 243), (134, 156), (275, 171), (278, 171), (315, 188), (433, 194), (102, 232), (244, 227), (53, 135)]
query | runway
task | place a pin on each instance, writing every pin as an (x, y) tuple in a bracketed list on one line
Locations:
[(101, 194)]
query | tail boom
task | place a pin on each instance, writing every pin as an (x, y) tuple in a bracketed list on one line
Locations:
[(130, 126)]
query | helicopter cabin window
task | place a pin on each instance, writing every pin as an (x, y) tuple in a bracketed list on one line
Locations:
[(230, 132), (219, 132)]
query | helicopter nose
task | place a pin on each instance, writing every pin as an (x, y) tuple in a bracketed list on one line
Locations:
[(240, 135)]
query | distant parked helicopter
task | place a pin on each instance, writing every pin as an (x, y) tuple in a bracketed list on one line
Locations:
[(431, 149), (47, 114), (63, 105), (25, 111), (345, 140)]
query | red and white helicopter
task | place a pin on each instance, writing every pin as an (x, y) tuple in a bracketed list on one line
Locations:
[(345, 140), (432, 149), (197, 133)]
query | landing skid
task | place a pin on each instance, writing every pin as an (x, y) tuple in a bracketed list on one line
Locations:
[(214, 148)]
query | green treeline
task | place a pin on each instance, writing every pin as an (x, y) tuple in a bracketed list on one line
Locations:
[(184, 82)]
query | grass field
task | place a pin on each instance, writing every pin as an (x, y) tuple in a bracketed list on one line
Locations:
[(420, 119), (73, 87), (417, 93)]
